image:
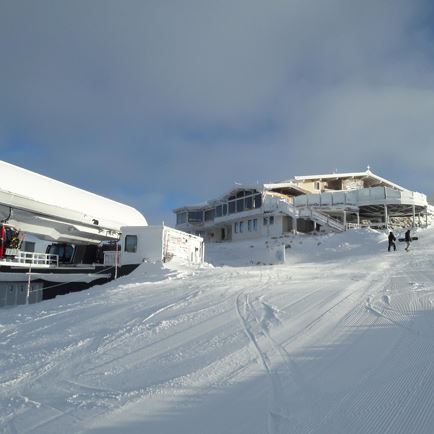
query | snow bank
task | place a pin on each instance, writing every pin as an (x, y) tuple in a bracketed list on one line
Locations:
[(337, 340), (299, 248)]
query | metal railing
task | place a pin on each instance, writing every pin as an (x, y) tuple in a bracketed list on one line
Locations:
[(33, 258), (364, 196), (110, 257), (284, 206), (322, 219)]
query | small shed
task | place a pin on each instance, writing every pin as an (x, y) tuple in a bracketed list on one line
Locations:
[(159, 243)]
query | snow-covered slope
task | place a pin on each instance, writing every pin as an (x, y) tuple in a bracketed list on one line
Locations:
[(337, 340)]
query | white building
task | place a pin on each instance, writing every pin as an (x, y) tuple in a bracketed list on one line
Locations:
[(331, 202), (56, 238)]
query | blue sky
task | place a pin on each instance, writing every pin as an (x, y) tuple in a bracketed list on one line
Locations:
[(162, 103)]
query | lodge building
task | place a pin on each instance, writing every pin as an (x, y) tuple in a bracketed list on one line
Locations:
[(308, 204)]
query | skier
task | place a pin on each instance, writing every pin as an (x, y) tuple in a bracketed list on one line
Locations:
[(407, 239), (392, 240)]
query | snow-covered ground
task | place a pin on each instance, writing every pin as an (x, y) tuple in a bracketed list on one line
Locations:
[(340, 339)]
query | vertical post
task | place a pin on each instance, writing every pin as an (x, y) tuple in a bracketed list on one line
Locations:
[(386, 217), (358, 219), (28, 284), (116, 260), (345, 219), (414, 215)]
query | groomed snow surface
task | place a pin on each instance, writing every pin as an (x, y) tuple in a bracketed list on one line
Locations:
[(340, 339)]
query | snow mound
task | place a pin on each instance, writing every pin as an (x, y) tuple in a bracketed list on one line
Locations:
[(299, 248)]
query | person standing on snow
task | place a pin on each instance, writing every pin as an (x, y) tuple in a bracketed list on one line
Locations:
[(407, 239), (392, 240)]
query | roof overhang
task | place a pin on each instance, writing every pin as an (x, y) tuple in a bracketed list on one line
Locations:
[(377, 180)]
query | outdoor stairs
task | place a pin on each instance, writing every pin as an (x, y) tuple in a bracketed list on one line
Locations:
[(322, 219), (307, 212)]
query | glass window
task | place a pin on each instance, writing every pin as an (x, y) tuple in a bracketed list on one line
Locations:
[(236, 227), (231, 207), (258, 201), (265, 221), (195, 216), (240, 205), (241, 193), (181, 218), (241, 227), (209, 215), (219, 210), (255, 225), (131, 243), (249, 225), (249, 202), (272, 220), (225, 209)]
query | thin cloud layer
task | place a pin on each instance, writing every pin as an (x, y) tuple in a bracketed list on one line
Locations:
[(162, 103)]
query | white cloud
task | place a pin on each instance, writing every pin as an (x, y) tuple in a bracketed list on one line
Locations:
[(190, 96)]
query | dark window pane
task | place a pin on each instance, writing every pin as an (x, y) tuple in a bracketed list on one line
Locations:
[(241, 193), (231, 207), (249, 202), (131, 243), (258, 201), (219, 210), (225, 209), (240, 205), (209, 215), (195, 216), (181, 218)]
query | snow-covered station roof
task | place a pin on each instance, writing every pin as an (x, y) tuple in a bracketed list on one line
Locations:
[(57, 211), (372, 178)]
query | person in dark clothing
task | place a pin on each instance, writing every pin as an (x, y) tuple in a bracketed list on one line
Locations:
[(392, 240), (407, 239)]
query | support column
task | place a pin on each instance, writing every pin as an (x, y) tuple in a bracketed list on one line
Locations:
[(386, 217), (294, 224), (414, 215), (345, 219), (358, 219)]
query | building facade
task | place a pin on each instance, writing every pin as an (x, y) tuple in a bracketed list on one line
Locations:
[(316, 203)]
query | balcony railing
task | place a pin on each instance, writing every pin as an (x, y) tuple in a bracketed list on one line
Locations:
[(364, 196), (31, 258)]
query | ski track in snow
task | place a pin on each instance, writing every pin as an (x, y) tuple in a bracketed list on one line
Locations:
[(344, 344)]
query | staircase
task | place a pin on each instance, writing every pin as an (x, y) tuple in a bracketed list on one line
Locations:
[(322, 219), (280, 205)]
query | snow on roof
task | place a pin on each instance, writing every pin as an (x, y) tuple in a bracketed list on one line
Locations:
[(22, 183), (366, 174), (210, 203)]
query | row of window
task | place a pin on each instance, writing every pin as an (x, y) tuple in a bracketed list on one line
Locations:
[(243, 201), (252, 226)]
